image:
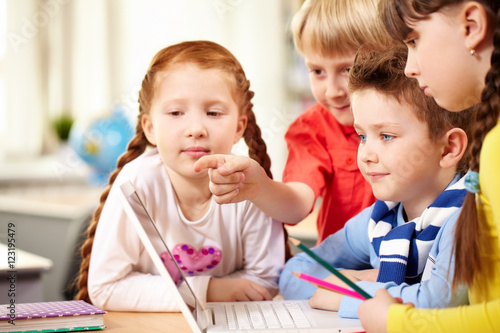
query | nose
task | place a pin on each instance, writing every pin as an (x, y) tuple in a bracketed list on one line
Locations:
[(336, 87), (366, 153), (411, 68), (195, 128)]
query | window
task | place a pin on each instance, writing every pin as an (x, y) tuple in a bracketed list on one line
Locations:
[(83, 57)]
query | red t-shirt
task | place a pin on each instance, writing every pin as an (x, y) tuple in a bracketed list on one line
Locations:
[(323, 154)]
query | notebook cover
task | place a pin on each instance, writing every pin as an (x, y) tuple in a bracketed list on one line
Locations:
[(49, 309)]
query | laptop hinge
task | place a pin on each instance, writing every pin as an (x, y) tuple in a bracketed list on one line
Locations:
[(209, 316)]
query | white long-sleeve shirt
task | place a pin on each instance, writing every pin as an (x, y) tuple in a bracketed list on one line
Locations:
[(122, 276)]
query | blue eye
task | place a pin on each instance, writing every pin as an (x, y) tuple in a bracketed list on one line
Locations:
[(386, 137), (362, 137), (410, 42)]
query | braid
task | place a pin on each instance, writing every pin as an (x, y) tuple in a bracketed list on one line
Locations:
[(468, 239), (135, 148), (206, 55), (257, 150)]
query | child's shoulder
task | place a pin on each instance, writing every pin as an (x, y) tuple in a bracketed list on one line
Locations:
[(147, 174), (314, 111), (148, 163), (489, 153), (493, 135)]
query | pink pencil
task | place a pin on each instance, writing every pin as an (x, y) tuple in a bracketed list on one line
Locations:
[(329, 286)]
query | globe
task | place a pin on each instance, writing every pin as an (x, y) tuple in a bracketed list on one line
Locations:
[(100, 142)]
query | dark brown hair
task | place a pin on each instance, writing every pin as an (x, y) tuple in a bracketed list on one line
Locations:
[(469, 241), (205, 55), (383, 70)]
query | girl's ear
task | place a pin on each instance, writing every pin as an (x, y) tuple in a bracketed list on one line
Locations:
[(147, 127), (475, 23), (455, 146), (240, 129)]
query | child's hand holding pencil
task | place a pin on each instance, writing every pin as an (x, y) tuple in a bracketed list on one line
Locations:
[(323, 263), (329, 286)]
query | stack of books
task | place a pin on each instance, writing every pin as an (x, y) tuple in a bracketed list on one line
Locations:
[(61, 316)]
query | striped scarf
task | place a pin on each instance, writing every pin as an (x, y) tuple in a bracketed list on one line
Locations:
[(403, 250)]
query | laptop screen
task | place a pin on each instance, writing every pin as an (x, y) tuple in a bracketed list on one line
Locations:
[(161, 248)]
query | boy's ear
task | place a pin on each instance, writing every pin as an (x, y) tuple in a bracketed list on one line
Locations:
[(475, 23), (147, 127), (455, 146), (240, 129)]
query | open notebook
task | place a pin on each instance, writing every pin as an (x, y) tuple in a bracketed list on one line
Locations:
[(261, 316)]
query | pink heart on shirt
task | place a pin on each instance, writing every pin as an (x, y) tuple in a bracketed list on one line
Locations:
[(192, 261), (170, 265)]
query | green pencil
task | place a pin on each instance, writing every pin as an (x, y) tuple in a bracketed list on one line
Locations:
[(323, 263)]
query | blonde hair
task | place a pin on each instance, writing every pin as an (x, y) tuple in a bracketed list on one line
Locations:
[(337, 26)]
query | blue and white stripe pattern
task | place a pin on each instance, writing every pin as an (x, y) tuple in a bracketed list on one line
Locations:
[(403, 250)]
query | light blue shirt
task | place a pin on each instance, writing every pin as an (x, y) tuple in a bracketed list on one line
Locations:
[(350, 248)]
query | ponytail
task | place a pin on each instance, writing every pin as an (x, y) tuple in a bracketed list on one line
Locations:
[(469, 241), (135, 148)]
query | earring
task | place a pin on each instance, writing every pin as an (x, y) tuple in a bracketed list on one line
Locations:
[(472, 52)]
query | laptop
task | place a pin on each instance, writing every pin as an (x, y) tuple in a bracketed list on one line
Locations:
[(261, 316)]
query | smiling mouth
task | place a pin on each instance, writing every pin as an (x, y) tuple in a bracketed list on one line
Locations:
[(376, 176)]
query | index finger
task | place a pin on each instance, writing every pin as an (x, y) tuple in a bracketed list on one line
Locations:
[(209, 162)]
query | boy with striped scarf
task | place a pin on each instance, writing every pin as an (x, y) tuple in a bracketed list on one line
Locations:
[(414, 154)]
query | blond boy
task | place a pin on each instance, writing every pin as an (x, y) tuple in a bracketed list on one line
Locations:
[(322, 142)]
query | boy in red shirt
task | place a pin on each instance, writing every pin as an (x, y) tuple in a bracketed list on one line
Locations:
[(322, 143)]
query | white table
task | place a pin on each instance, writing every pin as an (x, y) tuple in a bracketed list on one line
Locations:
[(21, 275)]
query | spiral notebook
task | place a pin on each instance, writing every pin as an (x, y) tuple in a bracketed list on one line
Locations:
[(262, 316), (57, 316)]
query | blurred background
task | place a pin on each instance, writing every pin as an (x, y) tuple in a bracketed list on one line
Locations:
[(70, 72)]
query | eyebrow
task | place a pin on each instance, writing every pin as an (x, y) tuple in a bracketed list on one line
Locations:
[(311, 64), (379, 125)]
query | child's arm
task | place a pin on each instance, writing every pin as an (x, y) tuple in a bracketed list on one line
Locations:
[(326, 300), (236, 290), (115, 282), (347, 248), (434, 291), (373, 312), (383, 314), (239, 178)]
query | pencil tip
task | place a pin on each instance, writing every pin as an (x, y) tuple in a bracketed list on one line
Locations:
[(294, 241), (296, 274)]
